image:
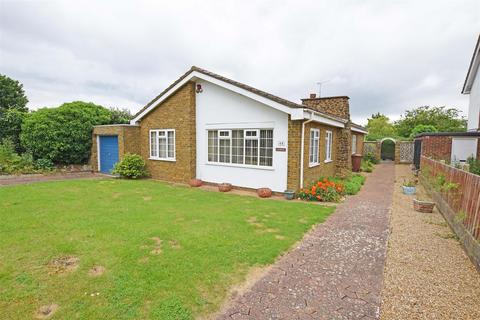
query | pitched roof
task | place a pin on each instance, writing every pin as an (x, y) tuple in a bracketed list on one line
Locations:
[(239, 85), (354, 125), (472, 69)]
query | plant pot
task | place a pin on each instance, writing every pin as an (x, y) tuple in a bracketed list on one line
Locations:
[(289, 195), (409, 190), (224, 187), (264, 192), (423, 206), (195, 183)]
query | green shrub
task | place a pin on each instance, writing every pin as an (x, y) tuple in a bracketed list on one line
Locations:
[(63, 134), (474, 165), (352, 184), (132, 166), (370, 156), (44, 164), (366, 166)]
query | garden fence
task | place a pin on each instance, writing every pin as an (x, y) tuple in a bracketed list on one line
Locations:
[(461, 192)]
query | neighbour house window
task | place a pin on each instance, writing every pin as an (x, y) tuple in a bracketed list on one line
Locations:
[(241, 146), (162, 144), (354, 144), (314, 146), (328, 146)]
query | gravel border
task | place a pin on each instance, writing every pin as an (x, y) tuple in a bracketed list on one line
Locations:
[(427, 274)]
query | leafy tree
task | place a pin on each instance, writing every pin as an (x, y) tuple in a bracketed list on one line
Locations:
[(64, 134), (120, 116), (442, 118), (379, 126), (12, 95), (422, 128), (11, 126)]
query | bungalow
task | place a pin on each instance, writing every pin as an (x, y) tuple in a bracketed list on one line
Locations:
[(208, 127)]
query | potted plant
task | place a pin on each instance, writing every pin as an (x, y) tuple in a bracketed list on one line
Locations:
[(195, 183), (289, 194), (423, 205), (224, 187), (409, 187), (264, 192)]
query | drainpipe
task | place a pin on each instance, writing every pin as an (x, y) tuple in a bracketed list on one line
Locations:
[(302, 147)]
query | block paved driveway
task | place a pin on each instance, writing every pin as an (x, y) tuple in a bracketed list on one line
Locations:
[(336, 272)]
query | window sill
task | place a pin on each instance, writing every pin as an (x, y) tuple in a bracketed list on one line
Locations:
[(244, 166), (311, 165), (328, 161), (163, 159)]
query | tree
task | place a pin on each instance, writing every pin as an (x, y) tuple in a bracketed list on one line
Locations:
[(379, 126), (442, 118), (11, 126), (120, 116), (422, 128), (63, 134), (12, 95)]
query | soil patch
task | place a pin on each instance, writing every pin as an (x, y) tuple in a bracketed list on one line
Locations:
[(174, 244), (64, 265), (96, 271), (45, 312)]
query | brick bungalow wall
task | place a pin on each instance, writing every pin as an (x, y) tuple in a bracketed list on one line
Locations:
[(176, 112), (128, 140)]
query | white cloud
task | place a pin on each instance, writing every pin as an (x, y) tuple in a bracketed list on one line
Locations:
[(386, 55)]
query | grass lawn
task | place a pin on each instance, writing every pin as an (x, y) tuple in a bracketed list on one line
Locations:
[(169, 252)]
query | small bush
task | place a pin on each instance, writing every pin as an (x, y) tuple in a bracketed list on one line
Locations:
[(323, 190), (11, 162), (473, 165), (370, 156), (352, 184), (366, 166), (44, 164), (132, 166)]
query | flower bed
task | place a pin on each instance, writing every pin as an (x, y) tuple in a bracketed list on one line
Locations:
[(324, 190)]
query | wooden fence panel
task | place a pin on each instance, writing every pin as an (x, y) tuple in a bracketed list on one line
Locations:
[(464, 200)]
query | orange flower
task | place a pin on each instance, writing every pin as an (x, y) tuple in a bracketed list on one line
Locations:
[(314, 189), (319, 198)]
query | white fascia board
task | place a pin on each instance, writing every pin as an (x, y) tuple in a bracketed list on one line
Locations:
[(359, 130), (198, 75), (317, 117)]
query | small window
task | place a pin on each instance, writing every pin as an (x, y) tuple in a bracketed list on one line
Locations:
[(354, 144), (162, 144), (314, 146), (328, 146)]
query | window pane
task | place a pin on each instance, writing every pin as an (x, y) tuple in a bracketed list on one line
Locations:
[(171, 144), (162, 147), (224, 151), (266, 147), (213, 145), (153, 144), (311, 148), (251, 152), (237, 146)]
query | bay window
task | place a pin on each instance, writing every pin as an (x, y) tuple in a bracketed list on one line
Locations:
[(253, 147)]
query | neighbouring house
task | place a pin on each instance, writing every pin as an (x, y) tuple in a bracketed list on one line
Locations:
[(457, 146), (218, 130)]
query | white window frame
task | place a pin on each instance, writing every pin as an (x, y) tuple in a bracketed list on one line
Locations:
[(314, 148), (245, 137), (328, 145), (164, 136), (354, 143)]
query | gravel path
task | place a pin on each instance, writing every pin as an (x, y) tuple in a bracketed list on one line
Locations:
[(336, 271), (427, 274)]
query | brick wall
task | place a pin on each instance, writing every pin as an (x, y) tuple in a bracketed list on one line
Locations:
[(128, 140), (311, 174), (437, 147), (176, 112), (335, 106)]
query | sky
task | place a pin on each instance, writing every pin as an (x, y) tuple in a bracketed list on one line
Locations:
[(387, 56)]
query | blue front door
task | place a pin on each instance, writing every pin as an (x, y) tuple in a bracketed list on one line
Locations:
[(108, 153)]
